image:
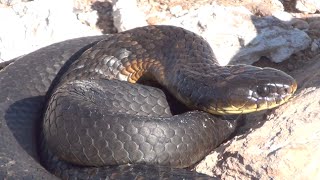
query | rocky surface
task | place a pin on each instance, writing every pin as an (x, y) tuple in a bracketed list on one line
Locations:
[(124, 13), (31, 25), (242, 37), (309, 6), (239, 37), (278, 144)]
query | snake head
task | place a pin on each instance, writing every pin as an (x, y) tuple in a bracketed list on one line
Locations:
[(243, 89)]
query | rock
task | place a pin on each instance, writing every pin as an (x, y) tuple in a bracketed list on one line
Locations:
[(89, 18), (257, 7), (234, 37), (104, 10), (11, 35), (12, 2), (299, 24), (35, 24), (308, 6), (242, 37), (126, 15), (282, 146), (264, 7), (177, 11), (283, 16), (315, 45), (274, 39), (314, 25)]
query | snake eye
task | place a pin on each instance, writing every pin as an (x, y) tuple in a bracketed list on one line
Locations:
[(263, 91)]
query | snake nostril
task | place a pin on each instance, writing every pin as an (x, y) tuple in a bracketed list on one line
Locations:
[(283, 91)]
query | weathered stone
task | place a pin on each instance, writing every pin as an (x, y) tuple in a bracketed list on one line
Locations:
[(242, 37), (35, 24), (89, 18), (299, 24), (233, 37), (126, 15), (314, 25), (12, 2), (177, 11), (274, 40), (282, 146), (315, 45), (283, 16), (104, 11), (309, 6), (12, 35), (264, 7)]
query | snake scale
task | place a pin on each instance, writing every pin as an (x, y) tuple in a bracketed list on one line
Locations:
[(90, 108)]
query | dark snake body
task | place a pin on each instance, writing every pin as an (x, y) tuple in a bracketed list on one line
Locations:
[(95, 119)]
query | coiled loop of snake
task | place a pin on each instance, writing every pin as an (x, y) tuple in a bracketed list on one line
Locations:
[(97, 116)]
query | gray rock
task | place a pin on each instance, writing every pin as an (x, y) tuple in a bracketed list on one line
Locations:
[(315, 45), (274, 40), (299, 24), (314, 25)]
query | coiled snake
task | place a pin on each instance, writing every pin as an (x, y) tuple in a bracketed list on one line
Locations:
[(94, 113)]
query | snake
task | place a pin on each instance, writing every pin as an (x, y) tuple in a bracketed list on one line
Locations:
[(146, 103)]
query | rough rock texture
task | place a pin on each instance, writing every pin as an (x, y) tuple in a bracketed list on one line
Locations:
[(34, 24), (257, 7), (274, 40), (127, 15), (241, 37), (283, 145), (308, 6)]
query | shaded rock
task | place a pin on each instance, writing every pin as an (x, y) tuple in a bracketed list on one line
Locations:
[(315, 45), (299, 24), (96, 14), (283, 145), (104, 21), (315, 25)]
